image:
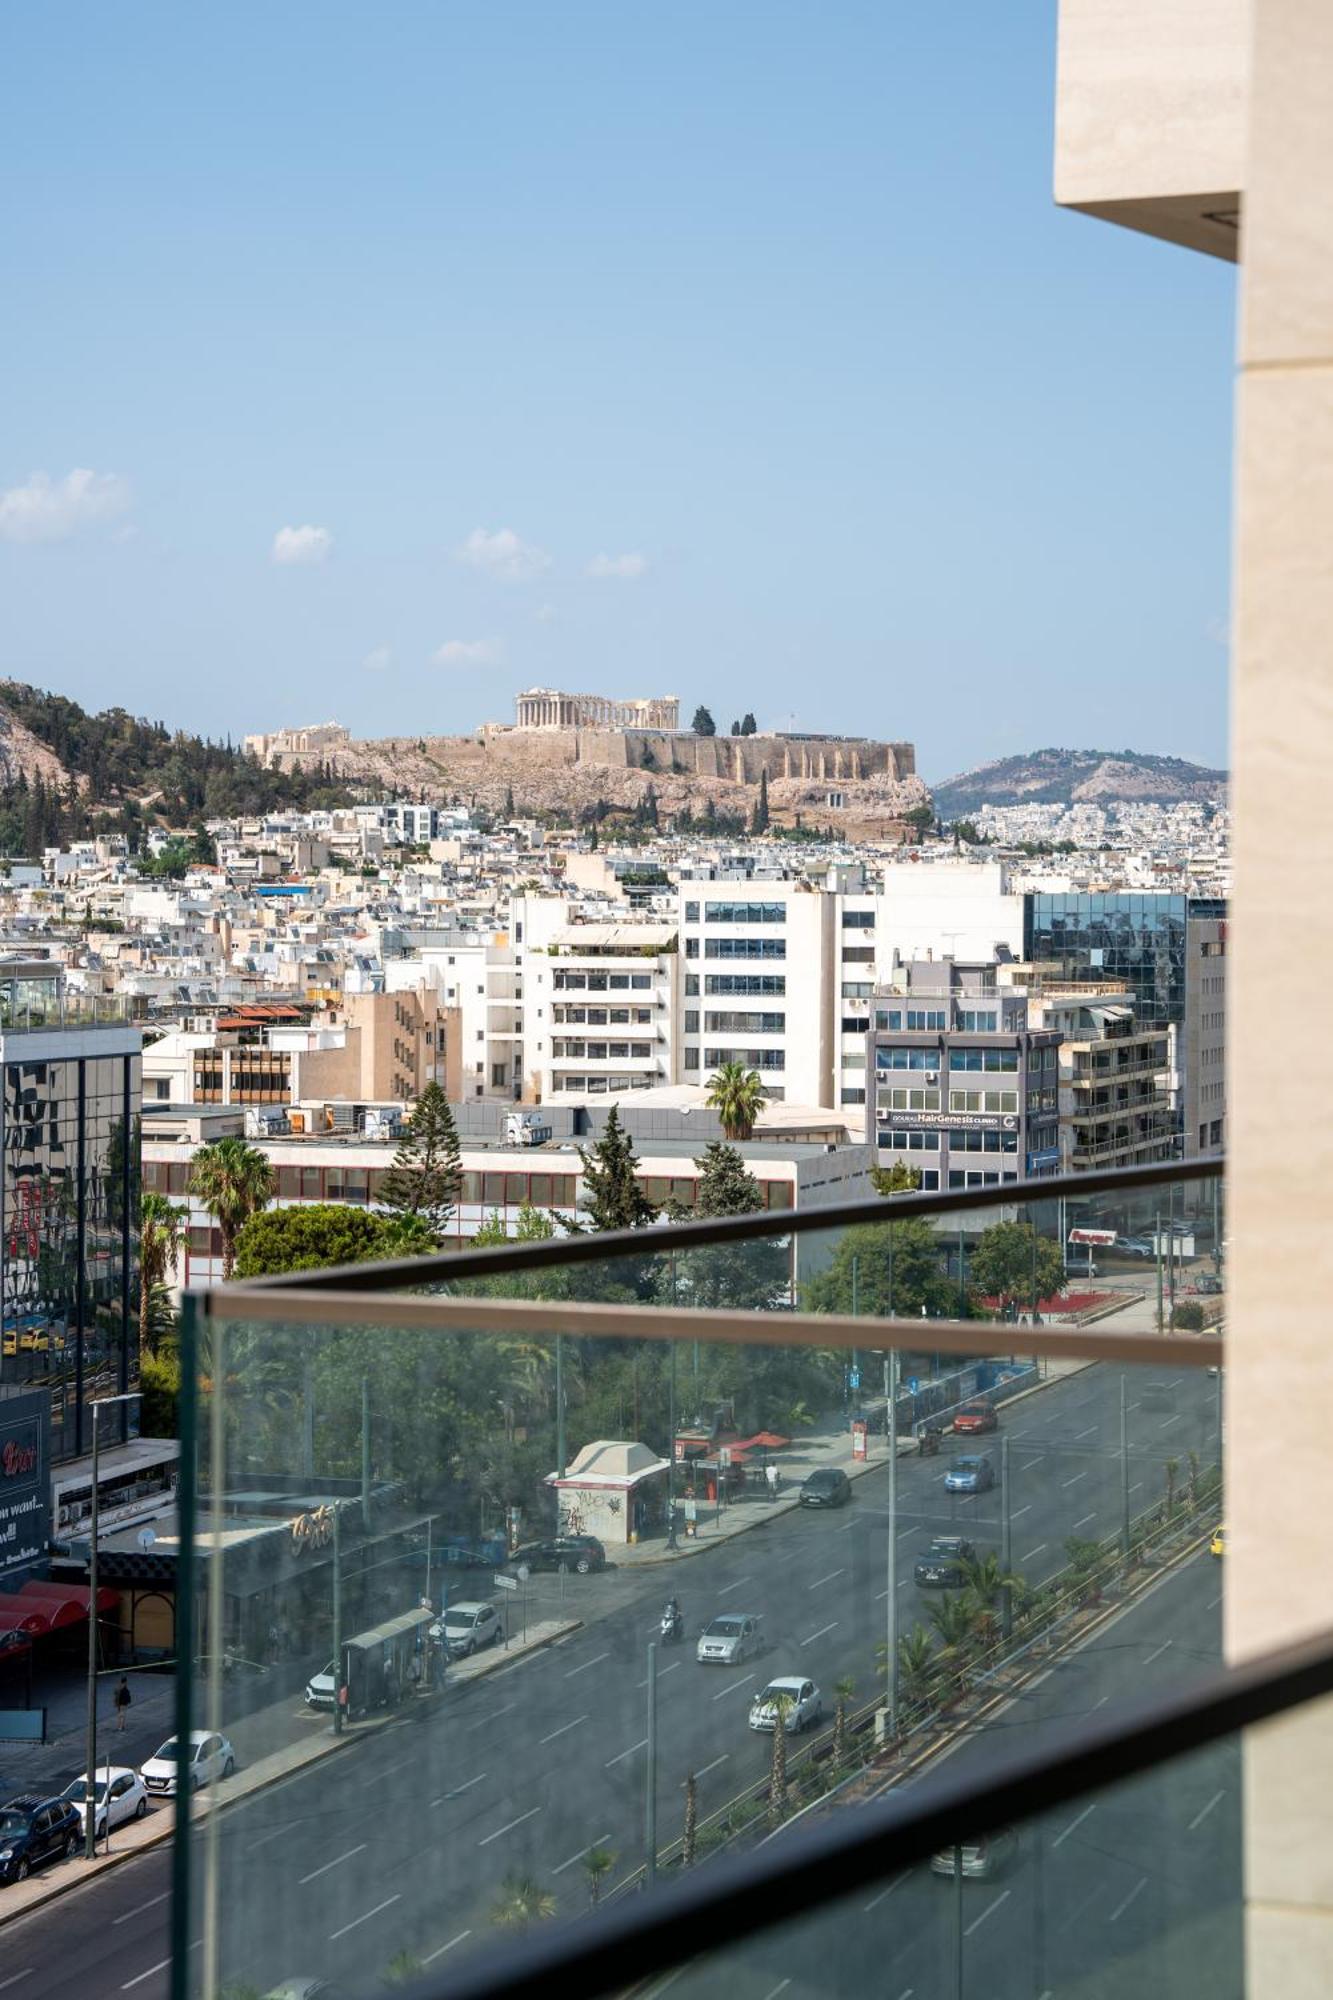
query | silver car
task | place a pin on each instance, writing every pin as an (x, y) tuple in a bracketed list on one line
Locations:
[(732, 1636)]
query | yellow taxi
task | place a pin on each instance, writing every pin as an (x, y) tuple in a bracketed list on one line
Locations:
[(1218, 1545)]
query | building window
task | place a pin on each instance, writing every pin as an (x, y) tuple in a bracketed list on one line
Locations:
[(928, 1020), (691, 913), (745, 913), (858, 920), (853, 1096)]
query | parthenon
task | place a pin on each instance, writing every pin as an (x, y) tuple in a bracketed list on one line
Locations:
[(548, 708)]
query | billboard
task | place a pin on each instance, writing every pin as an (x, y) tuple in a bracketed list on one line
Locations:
[(25, 1501)]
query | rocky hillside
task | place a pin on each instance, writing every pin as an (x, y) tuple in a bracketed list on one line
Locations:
[(1068, 777)]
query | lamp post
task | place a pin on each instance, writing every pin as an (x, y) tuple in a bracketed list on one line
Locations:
[(90, 1795)]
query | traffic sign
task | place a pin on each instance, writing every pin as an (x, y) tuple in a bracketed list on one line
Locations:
[(505, 1582), (854, 1379)]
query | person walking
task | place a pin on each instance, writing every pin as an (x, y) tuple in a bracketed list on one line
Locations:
[(771, 1476), (122, 1699)]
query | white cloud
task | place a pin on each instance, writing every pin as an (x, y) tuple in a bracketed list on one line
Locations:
[(49, 510), (503, 555), (301, 545), (468, 653), (377, 659), (545, 614), (631, 564)]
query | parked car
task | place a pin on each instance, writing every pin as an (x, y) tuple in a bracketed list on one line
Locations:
[(466, 1628), (731, 1637), (1218, 1545), (322, 1688), (806, 1704), (1135, 1246), (118, 1794), (827, 1487), (982, 1858), (975, 1417), (34, 1830), (1079, 1267), (969, 1475), (943, 1566), (1208, 1285), (210, 1757), (577, 1552)]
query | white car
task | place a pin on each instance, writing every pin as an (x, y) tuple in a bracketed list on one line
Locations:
[(730, 1637), (466, 1628), (119, 1795), (302, 1989), (211, 1756), (321, 1689), (803, 1704)]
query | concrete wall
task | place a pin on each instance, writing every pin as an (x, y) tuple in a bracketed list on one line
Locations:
[(742, 759)]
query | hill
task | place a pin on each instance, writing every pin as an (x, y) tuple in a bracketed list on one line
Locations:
[(1068, 777)]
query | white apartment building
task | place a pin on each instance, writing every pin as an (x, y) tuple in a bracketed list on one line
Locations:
[(600, 1001), (757, 955)]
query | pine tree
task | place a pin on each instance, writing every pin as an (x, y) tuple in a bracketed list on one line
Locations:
[(759, 818), (426, 1175), (703, 723), (735, 729), (612, 1195), (749, 727), (509, 802)]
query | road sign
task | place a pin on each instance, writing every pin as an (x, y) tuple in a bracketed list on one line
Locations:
[(724, 1455), (854, 1379), (913, 1384), (1092, 1236), (505, 1582)]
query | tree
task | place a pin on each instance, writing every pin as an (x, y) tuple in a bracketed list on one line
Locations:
[(427, 1173), (735, 729), (747, 1276), (749, 727), (760, 817), (314, 1235), (782, 1706), (916, 1666), (161, 1234), (691, 1829), (612, 1195), (233, 1181), (521, 1901), (1016, 1266), (737, 1095), (1188, 1316), (897, 1179), (597, 1865), (886, 1268), (403, 1969), (509, 801), (843, 1691), (921, 818), (703, 723)]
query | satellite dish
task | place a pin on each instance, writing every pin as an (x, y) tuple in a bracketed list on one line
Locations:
[(147, 1537)]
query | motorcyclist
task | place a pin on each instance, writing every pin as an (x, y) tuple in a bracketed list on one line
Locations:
[(672, 1618)]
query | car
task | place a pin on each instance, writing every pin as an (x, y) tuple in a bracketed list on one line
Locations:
[(1135, 1246), (826, 1487), (943, 1566), (974, 1417), (732, 1636), (969, 1475), (1080, 1267), (1208, 1285), (119, 1795), (1218, 1545), (303, 1989), (210, 1756), (466, 1628), (34, 1830), (982, 1858), (798, 1699), (577, 1552), (322, 1688)]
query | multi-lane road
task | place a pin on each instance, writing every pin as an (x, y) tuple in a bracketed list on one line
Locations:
[(402, 1840)]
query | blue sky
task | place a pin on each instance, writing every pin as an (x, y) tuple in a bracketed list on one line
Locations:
[(731, 350)]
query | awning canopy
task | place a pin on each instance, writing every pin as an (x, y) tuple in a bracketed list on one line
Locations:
[(24, 1618), (67, 1593)]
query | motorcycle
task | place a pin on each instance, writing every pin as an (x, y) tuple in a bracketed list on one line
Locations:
[(671, 1628)]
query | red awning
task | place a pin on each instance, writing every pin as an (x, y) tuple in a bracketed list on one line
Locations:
[(66, 1594), (28, 1618), (763, 1441)]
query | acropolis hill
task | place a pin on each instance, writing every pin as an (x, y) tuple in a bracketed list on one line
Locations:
[(565, 752)]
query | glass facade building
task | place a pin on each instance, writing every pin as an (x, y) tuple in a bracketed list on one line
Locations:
[(1135, 936)]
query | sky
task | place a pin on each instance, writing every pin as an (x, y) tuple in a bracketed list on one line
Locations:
[(372, 363)]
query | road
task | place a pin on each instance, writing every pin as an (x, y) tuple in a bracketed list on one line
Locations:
[(402, 1840)]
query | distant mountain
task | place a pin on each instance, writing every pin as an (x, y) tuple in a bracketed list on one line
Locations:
[(1069, 777)]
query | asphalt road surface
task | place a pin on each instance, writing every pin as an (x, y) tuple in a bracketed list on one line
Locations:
[(403, 1839)]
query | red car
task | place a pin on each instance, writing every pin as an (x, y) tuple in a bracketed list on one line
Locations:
[(975, 1417)]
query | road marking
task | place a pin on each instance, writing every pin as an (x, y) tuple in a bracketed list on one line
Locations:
[(1077, 1476), (1039, 1550), (1200, 1817), (494, 1716), (1084, 1522), (1133, 1406), (1099, 1704), (732, 1686), (387, 1904), (626, 1753), (662, 1672), (820, 1633), (595, 1661), (458, 1792), (825, 1579), (151, 1904), (781, 1987), (1074, 1824), (1158, 1651), (441, 1949), (1018, 1514), (563, 1730), (738, 1585), (139, 1978), (1079, 1437), (908, 1991), (274, 1833), (15, 1977), (508, 1828), (1165, 1425), (1031, 1462), (710, 1767), (1120, 1908), (989, 1911), (336, 1862), (1213, 1603), (600, 1841), (884, 1894), (881, 1595), (1138, 1483)]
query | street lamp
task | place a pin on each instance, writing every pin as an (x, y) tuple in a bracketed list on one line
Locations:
[(90, 1796)]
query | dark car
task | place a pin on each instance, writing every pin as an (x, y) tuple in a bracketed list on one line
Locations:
[(34, 1830), (1208, 1285), (969, 1475), (826, 1488), (944, 1564), (577, 1552)]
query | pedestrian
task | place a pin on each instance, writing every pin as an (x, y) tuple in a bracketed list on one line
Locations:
[(771, 1476), (122, 1699)]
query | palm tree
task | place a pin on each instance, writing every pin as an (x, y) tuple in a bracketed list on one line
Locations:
[(403, 1968), (737, 1095), (233, 1181), (843, 1691), (161, 1233), (953, 1619), (1172, 1473), (597, 1865), (987, 1587), (916, 1664), (691, 1829), (521, 1902), (782, 1706)]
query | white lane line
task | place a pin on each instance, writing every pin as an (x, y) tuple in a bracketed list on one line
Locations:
[(595, 1661), (1120, 1908), (1213, 1603), (739, 1584), (336, 1862), (626, 1753), (1039, 1550), (1080, 1435), (884, 1894), (1084, 1522), (820, 1633), (1031, 1462), (908, 1991), (1100, 1703), (662, 1673), (140, 1977), (1133, 1406), (1019, 1512), (151, 1904), (781, 1987), (989, 1911), (1077, 1476), (882, 1594), (732, 1686), (441, 1949), (15, 1977), (1200, 1817), (509, 1826), (903, 1533), (274, 1833), (710, 1767), (1137, 1486), (564, 1729), (600, 1841), (1158, 1651), (458, 1792), (1074, 1824), (825, 1579), (1165, 1425), (387, 1904), (494, 1716)]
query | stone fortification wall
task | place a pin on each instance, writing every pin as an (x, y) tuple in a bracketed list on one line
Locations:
[(741, 760)]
